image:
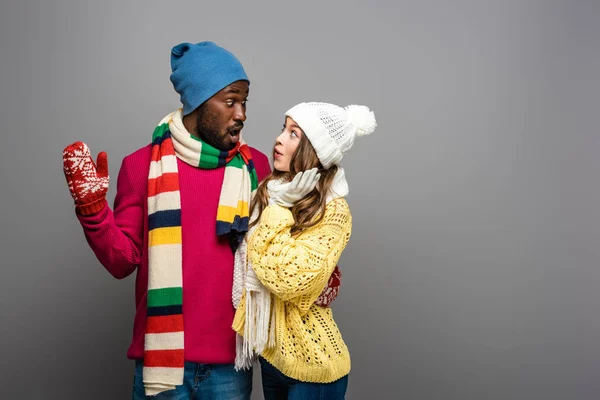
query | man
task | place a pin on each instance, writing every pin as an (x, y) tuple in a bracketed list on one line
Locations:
[(175, 220), (180, 209)]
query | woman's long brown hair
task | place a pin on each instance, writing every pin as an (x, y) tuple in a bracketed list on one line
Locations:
[(310, 210)]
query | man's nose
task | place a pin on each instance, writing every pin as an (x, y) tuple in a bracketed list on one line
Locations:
[(239, 113)]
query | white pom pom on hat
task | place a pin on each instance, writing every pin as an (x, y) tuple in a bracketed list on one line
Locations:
[(332, 129), (362, 118)]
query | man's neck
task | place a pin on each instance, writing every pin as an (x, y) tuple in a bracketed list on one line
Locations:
[(189, 122)]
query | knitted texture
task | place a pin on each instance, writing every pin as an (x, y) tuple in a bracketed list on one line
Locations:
[(332, 129), (259, 318), (200, 70), (259, 326), (119, 240), (240, 179), (332, 289), (164, 339), (88, 181), (309, 346)]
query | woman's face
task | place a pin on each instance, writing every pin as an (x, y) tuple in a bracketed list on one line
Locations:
[(286, 144)]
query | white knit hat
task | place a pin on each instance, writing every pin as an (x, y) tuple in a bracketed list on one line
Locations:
[(332, 129)]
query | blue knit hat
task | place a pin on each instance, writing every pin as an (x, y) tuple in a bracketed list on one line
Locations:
[(200, 70)]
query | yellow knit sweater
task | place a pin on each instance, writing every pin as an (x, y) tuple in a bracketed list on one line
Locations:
[(309, 346)]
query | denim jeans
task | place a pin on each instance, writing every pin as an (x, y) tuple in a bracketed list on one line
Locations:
[(201, 382), (277, 386)]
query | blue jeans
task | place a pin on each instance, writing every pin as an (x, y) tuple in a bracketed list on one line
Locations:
[(201, 382), (277, 386)]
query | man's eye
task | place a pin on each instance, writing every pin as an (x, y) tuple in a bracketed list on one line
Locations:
[(229, 103)]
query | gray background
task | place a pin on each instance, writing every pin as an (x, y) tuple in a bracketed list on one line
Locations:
[(472, 272)]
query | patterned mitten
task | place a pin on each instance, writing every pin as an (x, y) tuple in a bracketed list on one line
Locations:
[(88, 182), (332, 289)]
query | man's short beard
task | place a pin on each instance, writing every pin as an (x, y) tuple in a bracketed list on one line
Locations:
[(205, 126)]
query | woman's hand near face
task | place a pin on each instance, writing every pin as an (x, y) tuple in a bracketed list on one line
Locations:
[(303, 183)]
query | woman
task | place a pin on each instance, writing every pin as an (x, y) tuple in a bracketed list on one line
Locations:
[(300, 225)]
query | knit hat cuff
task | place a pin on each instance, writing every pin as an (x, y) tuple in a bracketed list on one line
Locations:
[(326, 148), (196, 93)]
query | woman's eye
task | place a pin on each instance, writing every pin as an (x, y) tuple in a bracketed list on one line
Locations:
[(293, 134)]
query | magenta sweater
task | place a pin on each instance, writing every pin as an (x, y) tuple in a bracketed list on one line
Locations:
[(119, 239)]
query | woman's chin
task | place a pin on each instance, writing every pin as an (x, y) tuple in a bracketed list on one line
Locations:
[(277, 166)]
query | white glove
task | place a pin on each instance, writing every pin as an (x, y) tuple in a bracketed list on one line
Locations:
[(302, 184)]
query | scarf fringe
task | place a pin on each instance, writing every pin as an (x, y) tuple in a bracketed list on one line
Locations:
[(259, 329)]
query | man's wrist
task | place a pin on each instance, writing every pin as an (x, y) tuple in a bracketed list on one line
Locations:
[(91, 208)]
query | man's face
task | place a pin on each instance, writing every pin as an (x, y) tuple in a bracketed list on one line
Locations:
[(221, 118)]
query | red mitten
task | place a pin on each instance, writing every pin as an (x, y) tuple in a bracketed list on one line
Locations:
[(88, 182), (332, 289)]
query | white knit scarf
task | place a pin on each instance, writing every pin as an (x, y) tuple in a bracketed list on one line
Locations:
[(259, 326)]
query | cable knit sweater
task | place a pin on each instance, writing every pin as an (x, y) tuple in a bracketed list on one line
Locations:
[(120, 241), (309, 346)]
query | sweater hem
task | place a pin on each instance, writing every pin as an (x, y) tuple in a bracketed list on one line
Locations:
[(308, 373)]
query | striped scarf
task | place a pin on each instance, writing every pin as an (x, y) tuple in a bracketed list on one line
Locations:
[(164, 342)]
